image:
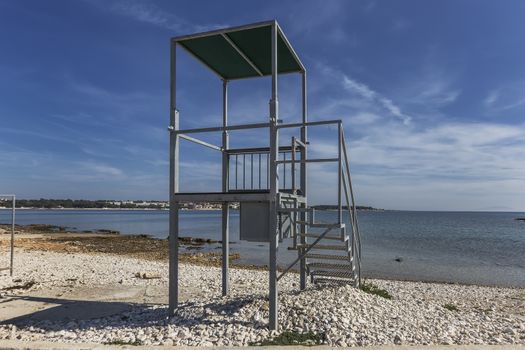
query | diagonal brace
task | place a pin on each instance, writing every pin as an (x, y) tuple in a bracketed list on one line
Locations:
[(304, 253)]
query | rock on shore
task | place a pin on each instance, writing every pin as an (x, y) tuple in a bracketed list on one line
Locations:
[(345, 316)]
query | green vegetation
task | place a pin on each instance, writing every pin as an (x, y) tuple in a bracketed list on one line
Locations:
[(371, 288), (294, 338), (43, 203), (451, 307), (122, 342)]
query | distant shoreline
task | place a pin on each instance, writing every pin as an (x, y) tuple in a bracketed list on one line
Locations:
[(112, 209), (150, 209)]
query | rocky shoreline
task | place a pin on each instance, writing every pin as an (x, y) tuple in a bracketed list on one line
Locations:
[(417, 313)]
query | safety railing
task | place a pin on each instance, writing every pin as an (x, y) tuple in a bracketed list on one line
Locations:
[(344, 188), (11, 197), (352, 210), (249, 169)]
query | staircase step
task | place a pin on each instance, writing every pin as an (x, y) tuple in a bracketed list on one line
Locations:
[(321, 224), (338, 274), (293, 210), (314, 235), (327, 257), (327, 225), (333, 280), (323, 246), (327, 266)]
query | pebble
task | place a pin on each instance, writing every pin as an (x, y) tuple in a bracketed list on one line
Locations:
[(346, 316)]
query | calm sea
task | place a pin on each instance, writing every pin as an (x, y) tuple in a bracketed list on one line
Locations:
[(465, 247)]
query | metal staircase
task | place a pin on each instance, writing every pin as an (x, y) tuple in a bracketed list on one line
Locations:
[(330, 251), (270, 180)]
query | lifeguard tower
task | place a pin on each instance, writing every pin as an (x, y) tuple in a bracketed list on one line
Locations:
[(268, 182)]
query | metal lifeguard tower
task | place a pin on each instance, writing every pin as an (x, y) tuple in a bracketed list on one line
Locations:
[(273, 199)]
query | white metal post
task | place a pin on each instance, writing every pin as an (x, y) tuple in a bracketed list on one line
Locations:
[(339, 173), (304, 240), (274, 187), (225, 185), (174, 188), (12, 244), (12, 258)]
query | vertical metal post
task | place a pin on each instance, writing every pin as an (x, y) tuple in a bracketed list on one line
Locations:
[(173, 187), (260, 171), (274, 186), (304, 240), (244, 171), (251, 171), (12, 236), (293, 165), (268, 171), (339, 173), (284, 169), (225, 206)]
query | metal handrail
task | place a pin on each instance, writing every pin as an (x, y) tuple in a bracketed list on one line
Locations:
[(12, 252), (310, 247), (345, 185), (353, 213), (253, 162)]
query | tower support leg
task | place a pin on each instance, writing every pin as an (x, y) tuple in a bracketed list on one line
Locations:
[(302, 263), (173, 259), (225, 249), (274, 299)]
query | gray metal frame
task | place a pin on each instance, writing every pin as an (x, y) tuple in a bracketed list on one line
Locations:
[(12, 249), (275, 192), (223, 32)]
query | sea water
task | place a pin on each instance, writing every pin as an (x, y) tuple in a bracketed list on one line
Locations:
[(464, 247)]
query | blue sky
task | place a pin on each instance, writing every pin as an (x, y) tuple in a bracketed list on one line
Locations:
[(432, 94)]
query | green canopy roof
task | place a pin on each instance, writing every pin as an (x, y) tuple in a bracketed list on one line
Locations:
[(242, 52)]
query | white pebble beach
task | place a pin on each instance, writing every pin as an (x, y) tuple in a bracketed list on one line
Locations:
[(346, 316)]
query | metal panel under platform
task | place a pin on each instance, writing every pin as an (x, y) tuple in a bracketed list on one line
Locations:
[(254, 221)]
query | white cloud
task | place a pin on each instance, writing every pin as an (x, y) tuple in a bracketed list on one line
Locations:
[(364, 118), (480, 161), (359, 88), (102, 169), (437, 91), (506, 97), (143, 12), (372, 96), (491, 98), (418, 165), (148, 12)]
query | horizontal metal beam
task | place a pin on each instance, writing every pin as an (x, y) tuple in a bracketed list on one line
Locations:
[(222, 128), (254, 150), (319, 160), (223, 30), (200, 142), (222, 197), (321, 122), (239, 51), (265, 75), (287, 43)]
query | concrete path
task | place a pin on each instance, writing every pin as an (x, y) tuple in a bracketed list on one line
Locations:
[(78, 303)]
